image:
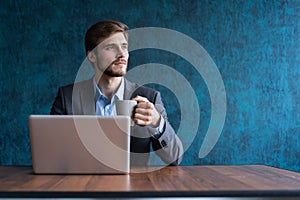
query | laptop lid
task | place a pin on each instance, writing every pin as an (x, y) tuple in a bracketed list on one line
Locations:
[(80, 144)]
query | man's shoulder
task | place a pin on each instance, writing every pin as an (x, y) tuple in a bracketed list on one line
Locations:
[(140, 90), (83, 83), (145, 89)]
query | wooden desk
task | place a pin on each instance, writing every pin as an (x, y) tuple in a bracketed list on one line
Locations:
[(182, 181)]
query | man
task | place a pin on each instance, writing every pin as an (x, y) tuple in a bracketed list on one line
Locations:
[(106, 46)]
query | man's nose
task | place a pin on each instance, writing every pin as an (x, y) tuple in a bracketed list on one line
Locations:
[(121, 52)]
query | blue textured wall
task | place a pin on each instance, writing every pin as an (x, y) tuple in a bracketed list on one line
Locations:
[(255, 45)]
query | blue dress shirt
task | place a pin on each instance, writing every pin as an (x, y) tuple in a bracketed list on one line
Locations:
[(105, 107)]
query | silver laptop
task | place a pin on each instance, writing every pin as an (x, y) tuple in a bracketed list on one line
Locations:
[(80, 144)]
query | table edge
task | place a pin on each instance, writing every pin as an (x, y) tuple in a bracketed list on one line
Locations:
[(141, 194)]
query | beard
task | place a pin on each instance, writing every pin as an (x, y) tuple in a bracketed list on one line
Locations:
[(110, 72)]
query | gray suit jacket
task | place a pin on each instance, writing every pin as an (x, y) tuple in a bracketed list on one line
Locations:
[(78, 99)]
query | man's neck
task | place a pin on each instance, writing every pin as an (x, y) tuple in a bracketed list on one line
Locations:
[(109, 85)]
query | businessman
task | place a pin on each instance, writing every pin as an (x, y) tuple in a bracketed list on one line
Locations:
[(106, 44)]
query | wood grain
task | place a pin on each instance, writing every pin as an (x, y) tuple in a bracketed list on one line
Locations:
[(241, 180)]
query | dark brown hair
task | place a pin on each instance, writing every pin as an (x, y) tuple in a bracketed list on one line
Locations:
[(102, 30)]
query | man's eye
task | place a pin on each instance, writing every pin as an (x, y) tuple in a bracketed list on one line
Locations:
[(109, 47), (125, 46)]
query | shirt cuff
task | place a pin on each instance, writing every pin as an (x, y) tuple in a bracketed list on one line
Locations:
[(161, 125), (160, 128)]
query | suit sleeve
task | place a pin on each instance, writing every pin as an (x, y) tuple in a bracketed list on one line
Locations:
[(62, 104), (58, 104), (167, 146)]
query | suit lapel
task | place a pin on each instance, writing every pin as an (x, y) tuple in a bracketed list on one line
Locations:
[(87, 99), (88, 102), (129, 89), (83, 98)]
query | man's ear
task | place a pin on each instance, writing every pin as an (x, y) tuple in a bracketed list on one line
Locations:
[(91, 56)]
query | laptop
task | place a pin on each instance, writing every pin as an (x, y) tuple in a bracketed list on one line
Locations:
[(80, 144)]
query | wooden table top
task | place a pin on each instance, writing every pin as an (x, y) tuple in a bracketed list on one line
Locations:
[(180, 181)]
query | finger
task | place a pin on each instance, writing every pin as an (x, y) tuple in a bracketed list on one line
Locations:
[(145, 105), (142, 120), (143, 111), (140, 99), (145, 118)]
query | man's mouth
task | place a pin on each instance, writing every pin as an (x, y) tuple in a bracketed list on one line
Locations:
[(120, 62)]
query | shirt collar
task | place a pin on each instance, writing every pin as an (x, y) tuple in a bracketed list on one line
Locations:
[(117, 96)]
